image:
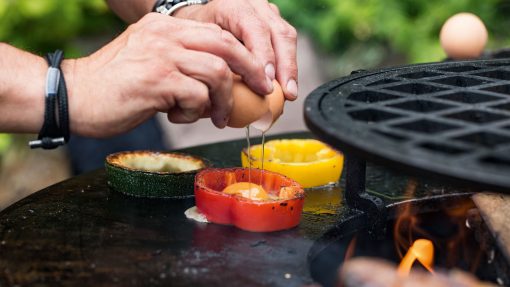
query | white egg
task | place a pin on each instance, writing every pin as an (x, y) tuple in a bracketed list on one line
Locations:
[(463, 36)]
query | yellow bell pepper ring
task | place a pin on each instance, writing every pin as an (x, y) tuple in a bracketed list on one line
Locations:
[(309, 162)]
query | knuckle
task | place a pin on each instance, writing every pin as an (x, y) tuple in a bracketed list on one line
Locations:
[(220, 69), (199, 98), (172, 75), (227, 38), (155, 29), (158, 44), (287, 31), (213, 27), (202, 96), (258, 25)]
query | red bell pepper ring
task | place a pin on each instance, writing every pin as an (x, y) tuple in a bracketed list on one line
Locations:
[(244, 213)]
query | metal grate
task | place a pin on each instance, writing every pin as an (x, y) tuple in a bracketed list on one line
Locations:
[(451, 120)]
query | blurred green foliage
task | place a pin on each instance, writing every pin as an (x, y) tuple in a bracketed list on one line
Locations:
[(44, 25), (356, 33), (41, 26), (408, 27)]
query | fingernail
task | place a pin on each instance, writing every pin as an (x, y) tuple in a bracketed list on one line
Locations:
[(220, 121), (292, 88), (270, 71), (190, 115), (223, 122), (269, 84)]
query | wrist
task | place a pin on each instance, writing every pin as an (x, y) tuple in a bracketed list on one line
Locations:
[(55, 128), (188, 12), (68, 68), (33, 96), (84, 90)]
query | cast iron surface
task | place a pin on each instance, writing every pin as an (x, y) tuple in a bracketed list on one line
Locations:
[(79, 232), (450, 120)]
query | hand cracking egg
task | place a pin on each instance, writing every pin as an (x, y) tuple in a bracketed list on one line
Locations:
[(249, 108), (463, 36)]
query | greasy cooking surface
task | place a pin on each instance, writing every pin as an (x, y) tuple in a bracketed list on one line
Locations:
[(79, 232), (451, 120)]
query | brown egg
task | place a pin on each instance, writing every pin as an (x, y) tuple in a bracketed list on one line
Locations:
[(252, 109), (463, 36)]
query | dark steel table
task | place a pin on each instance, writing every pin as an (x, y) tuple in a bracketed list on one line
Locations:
[(79, 232)]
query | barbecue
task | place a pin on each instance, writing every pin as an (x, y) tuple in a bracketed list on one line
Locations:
[(448, 121), (423, 144)]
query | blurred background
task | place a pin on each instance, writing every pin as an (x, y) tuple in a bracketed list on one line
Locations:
[(335, 37)]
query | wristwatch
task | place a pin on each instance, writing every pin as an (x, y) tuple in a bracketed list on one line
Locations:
[(168, 7)]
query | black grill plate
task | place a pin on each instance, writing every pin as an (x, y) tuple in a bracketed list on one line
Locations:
[(450, 120)]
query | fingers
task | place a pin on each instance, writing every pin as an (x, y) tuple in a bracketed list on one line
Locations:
[(243, 20), (284, 41), (275, 8), (271, 40), (212, 39), (285, 45), (190, 99), (215, 73)]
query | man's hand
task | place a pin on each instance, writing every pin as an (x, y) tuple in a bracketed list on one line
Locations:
[(159, 64), (259, 26)]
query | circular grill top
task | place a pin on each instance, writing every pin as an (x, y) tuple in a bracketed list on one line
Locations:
[(451, 119)]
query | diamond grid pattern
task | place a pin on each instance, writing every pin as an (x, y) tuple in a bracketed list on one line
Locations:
[(449, 119), (454, 110)]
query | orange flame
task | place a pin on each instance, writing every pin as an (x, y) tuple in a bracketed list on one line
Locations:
[(407, 224), (421, 250)]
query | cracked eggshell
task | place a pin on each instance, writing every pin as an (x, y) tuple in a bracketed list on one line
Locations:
[(250, 108)]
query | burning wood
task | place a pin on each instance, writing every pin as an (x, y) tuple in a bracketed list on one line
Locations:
[(495, 209)]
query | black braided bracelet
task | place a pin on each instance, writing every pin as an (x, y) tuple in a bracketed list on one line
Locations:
[(55, 131)]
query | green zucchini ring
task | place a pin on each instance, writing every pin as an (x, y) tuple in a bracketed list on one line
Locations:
[(153, 174)]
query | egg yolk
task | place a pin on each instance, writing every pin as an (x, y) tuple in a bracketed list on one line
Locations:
[(247, 190)]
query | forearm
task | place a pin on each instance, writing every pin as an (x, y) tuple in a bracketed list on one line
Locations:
[(131, 10), (22, 85), (22, 80)]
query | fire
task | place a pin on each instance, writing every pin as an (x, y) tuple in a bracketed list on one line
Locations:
[(409, 226), (421, 250)]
